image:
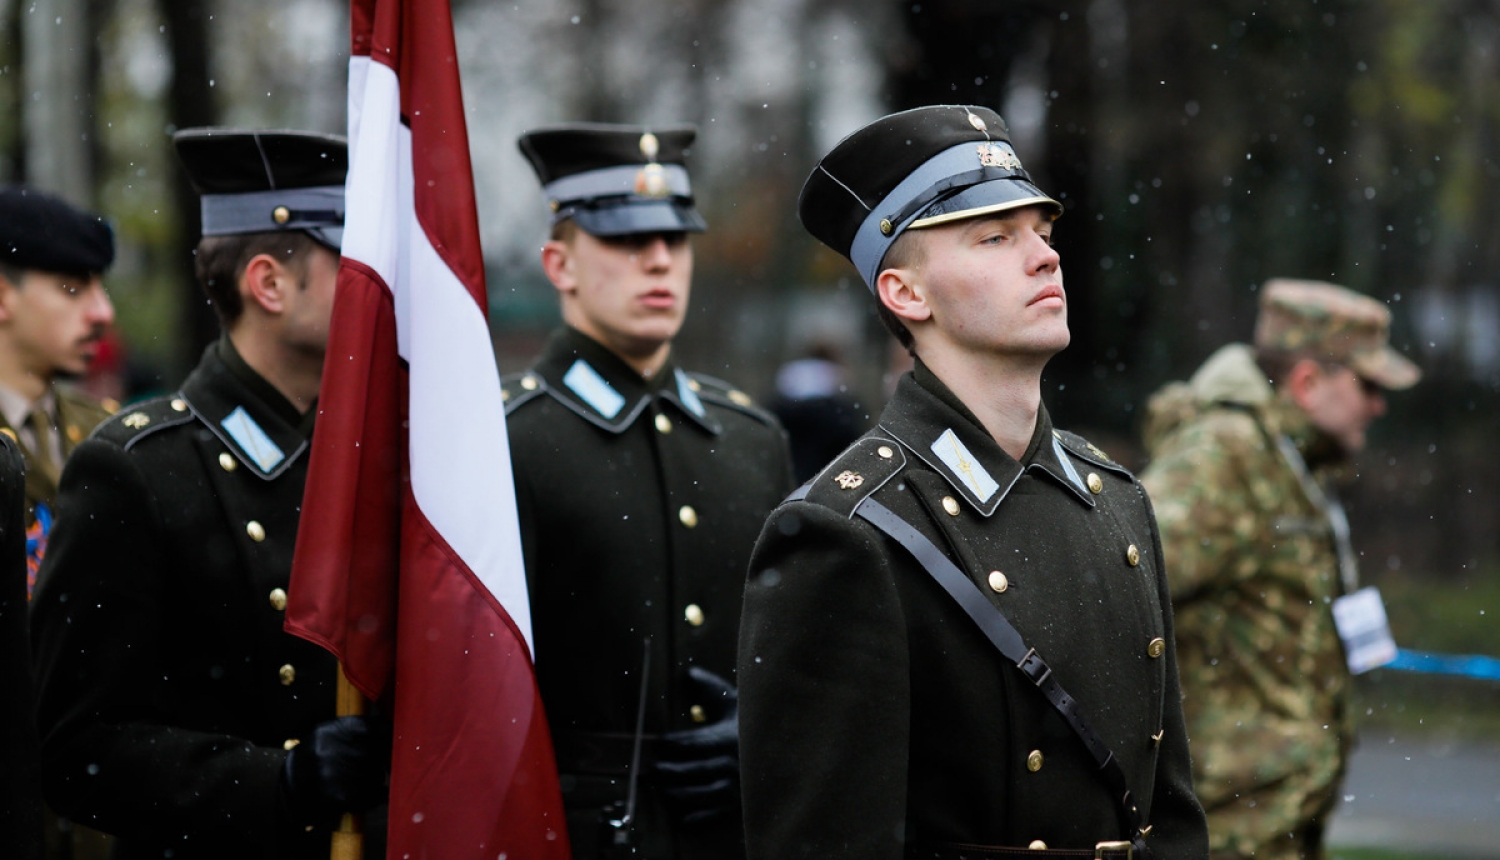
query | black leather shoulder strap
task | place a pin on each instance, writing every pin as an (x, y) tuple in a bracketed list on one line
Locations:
[(998, 629)]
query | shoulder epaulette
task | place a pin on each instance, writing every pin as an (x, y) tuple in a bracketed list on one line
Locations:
[(519, 388), (1086, 450), (129, 426), (720, 393), (863, 468)]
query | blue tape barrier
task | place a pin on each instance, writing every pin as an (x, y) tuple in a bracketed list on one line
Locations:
[(1464, 665)]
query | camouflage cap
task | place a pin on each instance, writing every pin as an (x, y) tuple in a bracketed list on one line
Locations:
[(1335, 324)]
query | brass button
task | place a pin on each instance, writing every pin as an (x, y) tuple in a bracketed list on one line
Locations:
[(976, 122), (1034, 761), (950, 505), (278, 599), (289, 743), (663, 424), (528, 383), (693, 385), (255, 530), (75, 433), (288, 674), (688, 516), (885, 452), (1096, 484), (504, 395), (281, 214), (179, 404), (998, 582), (696, 712), (694, 614), (1037, 845), (740, 397), (1157, 647), (1132, 555), (227, 462), (886, 226)]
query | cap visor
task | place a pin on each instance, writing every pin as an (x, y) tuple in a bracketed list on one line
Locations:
[(1387, 368), (985, 198), (657, 216)]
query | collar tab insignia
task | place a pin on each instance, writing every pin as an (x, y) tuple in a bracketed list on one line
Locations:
[(252, 439), (957, 457), (586, 382)]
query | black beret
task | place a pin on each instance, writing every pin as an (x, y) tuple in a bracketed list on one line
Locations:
[(266, 181), (615, 179), (39, 231), (909, 170)]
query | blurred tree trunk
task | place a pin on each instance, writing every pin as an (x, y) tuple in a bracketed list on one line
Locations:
[(59, 117), (190, 104)]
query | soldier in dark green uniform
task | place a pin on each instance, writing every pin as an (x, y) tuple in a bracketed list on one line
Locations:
[(928, 621), (175, 713), (641, 488), (20, 796), (53, 314)]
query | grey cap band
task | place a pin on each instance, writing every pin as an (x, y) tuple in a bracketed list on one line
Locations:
[(871, 242), (616, 182), (256, 211)]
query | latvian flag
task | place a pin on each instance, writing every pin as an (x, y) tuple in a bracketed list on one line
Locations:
[(408, 562)]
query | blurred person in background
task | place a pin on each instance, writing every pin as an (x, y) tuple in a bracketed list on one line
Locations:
[(175, 713), (641, 488), (54, 316), (813, 404), (1258, 554)]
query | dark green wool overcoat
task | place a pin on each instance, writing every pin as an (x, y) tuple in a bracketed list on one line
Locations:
[(640, 500), (877, 722), (168, 691)]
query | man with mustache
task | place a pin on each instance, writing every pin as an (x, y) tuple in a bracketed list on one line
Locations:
[(53, 312), (641, 488), (957, 639)]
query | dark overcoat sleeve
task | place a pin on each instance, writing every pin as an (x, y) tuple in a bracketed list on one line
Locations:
[(825, 691), (100, 623), (20, 798), (1178, 824)]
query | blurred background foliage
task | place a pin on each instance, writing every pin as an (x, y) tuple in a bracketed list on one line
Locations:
[(1200, 149)]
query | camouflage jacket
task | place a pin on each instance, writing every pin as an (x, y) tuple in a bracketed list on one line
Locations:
[(1253, 569)]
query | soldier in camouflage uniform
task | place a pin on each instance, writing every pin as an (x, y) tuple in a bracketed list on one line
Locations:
[(1257, 549)]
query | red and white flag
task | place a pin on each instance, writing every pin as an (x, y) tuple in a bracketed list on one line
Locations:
[(408, 563)]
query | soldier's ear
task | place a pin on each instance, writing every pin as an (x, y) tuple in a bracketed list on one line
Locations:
[(1302, 382), (264, 283), (898, 289), (559, 265)]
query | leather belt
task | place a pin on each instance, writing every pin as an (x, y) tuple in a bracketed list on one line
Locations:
[(957, 851)]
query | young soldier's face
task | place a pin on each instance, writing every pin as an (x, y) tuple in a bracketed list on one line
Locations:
[(56, 320), (994, 285), (629, 293)]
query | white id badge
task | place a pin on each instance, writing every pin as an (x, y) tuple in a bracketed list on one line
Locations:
[(1362, 625)]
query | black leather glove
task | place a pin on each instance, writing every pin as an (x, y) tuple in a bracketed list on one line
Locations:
[(699, 769), (344, 766)]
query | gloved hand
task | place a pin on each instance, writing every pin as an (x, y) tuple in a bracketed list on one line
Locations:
[(343, 767), (699, 768)]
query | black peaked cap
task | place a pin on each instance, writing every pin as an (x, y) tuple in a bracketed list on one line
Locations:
[(43, 232), (563, 150), (235, 161), (858, 173)]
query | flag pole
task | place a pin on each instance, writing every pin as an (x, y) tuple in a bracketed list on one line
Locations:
[(348, 840)]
